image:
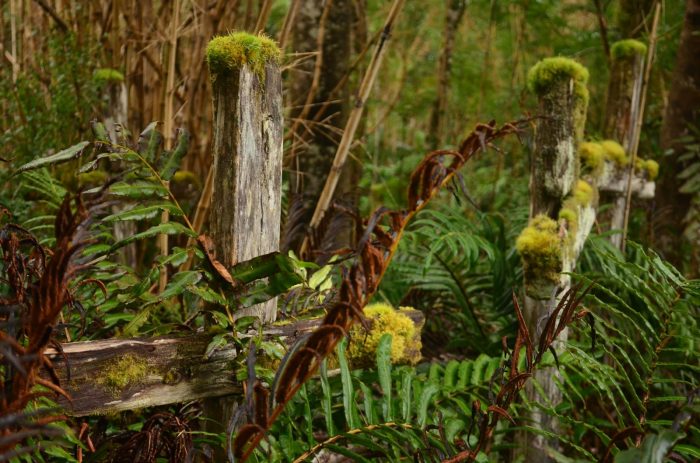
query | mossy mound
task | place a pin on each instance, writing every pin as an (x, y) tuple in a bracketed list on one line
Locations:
[(584, 193), (228, 52), (629, 48), (615, 152), (127, 370), (540, 248), (383, 318), (649, 166), (107, 75), (592, 155), (549, 71)]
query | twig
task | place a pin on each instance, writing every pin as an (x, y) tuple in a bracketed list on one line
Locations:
[(602, 24), (51, 12), (638, 123), (288, 22)]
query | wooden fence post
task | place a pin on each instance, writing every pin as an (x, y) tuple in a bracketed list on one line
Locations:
[(247, 171), (622, 110), (561, 215), (244, 221)]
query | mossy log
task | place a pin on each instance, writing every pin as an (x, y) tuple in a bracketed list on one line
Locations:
[(624, 91), (114, 375)]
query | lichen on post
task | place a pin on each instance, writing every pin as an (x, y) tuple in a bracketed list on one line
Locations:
[(247, 165), (560, 85)]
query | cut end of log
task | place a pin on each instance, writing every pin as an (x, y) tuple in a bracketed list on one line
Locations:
[(231, 52)]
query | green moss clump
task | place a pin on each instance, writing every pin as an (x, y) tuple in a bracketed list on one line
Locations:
[(107, 75), (627, 49), (540, 247), (405, 339), (649, 166), (228, 52), (569, 214), (592, 155), (615, 152), (127, 370), (548, 71), (584, 193), (92, 179)]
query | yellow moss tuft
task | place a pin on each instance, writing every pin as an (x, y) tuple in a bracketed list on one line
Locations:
[(593, 155), (627, 49), (92, 179), (615, 152), (652, 168), (548, 71), (405, 343), (107, 75), (539, 245), (127, 370), (228, 52), (584, 193), (569, 213)]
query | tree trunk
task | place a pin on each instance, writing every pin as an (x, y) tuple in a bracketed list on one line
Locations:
[(682, 113), (633, 17), (311, 159), (455, 11)]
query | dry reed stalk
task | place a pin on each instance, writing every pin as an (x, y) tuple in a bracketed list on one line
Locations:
[(289, 18), (168, 129), (352, 124), (640, 119)]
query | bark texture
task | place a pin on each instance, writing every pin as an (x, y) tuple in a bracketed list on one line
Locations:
[(682, 113), (246, 195)]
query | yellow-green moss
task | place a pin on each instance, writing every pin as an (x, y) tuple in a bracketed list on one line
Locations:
[(125, 371), (405, 342), (92, 179), (539, 246), (592, 155), (627, 49), (584, 193), (652, 168), (615, 152), (569, 213), (548, 71), (232, 51), (107, 75)]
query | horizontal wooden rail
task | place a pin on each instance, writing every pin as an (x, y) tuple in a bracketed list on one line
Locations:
[(115, 375)]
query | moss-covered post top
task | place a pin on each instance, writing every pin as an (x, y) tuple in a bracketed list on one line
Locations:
[(626, 49), (230, 52), (550, 71)]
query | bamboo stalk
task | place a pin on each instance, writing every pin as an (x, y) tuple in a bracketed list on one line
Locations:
[(352, 124), (168, 129), (640, 120)]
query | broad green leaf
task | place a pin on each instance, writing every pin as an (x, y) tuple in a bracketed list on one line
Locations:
[(169, 228), (384, 373), (327, 400), (67, 154), (149, 142), (217, 342), (143, 212), (352, 418), (426, 399), (654, 448), (179, 282), (139, 189), (175, 156)]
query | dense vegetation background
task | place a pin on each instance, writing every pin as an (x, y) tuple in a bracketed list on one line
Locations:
[(84, 80)]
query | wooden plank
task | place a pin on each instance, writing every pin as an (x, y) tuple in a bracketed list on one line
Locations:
[(115, 375)]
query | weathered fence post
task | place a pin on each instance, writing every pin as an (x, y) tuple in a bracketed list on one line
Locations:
[(621, 112), (561, 215), (247, 170)]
